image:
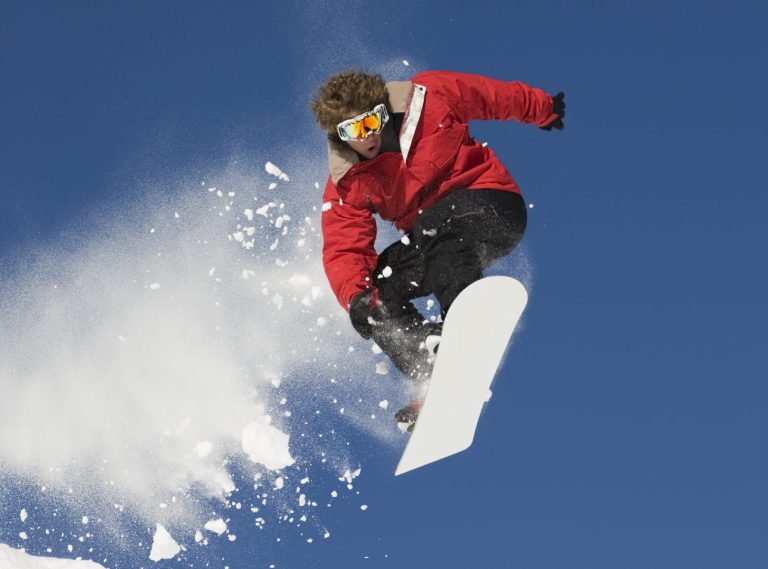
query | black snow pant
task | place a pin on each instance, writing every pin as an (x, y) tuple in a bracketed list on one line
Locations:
[(449, 247)]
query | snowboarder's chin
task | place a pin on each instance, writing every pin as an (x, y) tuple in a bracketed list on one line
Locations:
[(372, 152), (368, 148)]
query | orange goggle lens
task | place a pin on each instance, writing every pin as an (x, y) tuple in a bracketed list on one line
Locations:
[(363, 125)]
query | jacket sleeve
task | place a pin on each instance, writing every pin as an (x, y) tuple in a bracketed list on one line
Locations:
[(474, 97), (349, 256)]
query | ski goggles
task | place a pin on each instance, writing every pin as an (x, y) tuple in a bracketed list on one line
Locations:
[(364, 124)]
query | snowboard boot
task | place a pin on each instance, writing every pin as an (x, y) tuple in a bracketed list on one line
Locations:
[(428, 343), (432, 343), (404, 336), (406, 417)]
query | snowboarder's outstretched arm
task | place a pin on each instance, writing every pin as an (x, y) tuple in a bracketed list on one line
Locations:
[(475, 97), (349, 256)]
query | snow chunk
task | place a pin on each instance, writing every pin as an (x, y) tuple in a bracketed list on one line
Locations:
[(248, 214), (349, 475), (154, 286), (275, 171), (266, 445), (382, 368), (216, 526), (405, 62), (279, 483), (18, 559), (405, 240), (300, 281), (23, 515), (364, 507), (163, 545), (224, 482), (203, 449), (384, 404), (387, 272), (327, 206)]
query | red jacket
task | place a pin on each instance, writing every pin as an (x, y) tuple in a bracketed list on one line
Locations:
[(437, 155)]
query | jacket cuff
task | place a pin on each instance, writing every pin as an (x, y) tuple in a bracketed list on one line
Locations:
[(374, 297), (549, 119)]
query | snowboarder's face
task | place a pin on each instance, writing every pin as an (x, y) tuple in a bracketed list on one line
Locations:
[(363, 130), (369, 147)]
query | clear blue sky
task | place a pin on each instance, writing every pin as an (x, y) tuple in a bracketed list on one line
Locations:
[(628, 426)]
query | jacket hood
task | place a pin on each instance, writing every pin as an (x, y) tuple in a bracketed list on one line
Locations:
[(341, 157)]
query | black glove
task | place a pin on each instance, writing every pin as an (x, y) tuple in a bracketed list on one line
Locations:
[(558, 108), (361, 314)]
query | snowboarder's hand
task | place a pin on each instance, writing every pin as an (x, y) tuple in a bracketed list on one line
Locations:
[(558, 108), (361, 310)]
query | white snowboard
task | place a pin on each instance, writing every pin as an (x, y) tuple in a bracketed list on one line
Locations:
[(475, 336)]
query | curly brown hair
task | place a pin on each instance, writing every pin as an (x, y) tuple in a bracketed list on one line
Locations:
[(346, 94)]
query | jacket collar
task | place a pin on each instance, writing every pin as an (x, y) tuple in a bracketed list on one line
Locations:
[(403, 97)]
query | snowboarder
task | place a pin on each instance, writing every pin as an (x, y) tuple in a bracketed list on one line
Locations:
[(403, 150)]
